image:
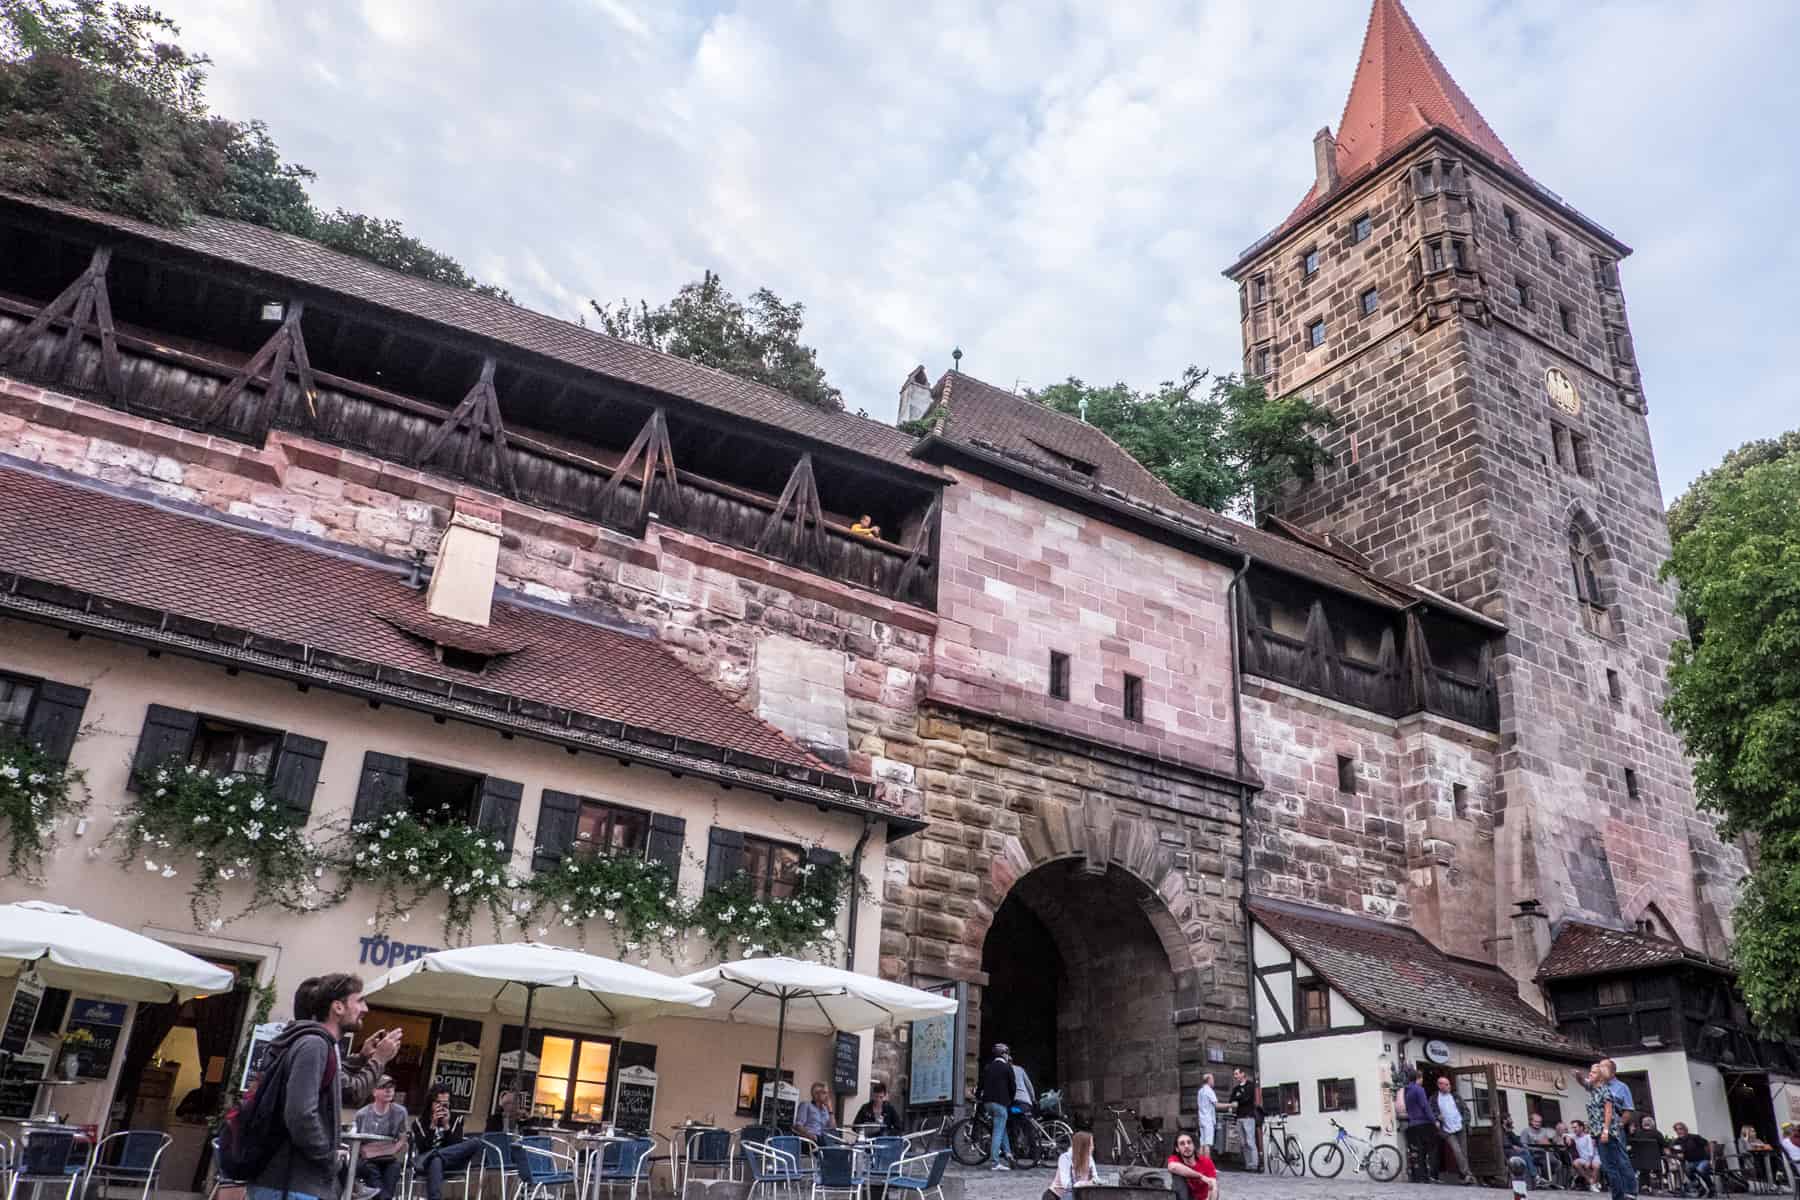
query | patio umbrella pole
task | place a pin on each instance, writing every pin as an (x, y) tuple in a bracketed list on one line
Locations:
[(524, 1049), (780, 1032)]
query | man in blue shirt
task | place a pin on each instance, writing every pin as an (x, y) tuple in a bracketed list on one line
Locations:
[(813, 1118), (1421, 1129), (1609, 1108)]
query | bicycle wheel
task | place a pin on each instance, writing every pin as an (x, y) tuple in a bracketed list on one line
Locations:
[(1024, 1141), (1327, 1160), (1383, 1164), (969, 1142), (1296, 1158), (1150, 1150), (1062, 1134), (1276, 1158)]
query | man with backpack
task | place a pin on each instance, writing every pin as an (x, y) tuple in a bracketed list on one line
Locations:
[(283, 1136)]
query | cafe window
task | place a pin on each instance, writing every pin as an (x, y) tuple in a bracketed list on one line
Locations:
[(437, 795), (228, 748), (1312, 1007), (441, 794), (1545, 1107), (773, 867), (568, 1076), (610, 829), (752, 1080), (1337, 1095)]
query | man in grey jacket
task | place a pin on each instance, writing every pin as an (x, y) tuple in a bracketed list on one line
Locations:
[(317, 1084)]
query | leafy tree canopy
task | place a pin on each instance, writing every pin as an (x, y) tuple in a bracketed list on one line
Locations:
[(758, 340), (1734, 695), (1217, 441), (100, 106)]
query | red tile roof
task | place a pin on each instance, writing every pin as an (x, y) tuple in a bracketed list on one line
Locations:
[(208, 570), (1583, 949), (1397, 978)]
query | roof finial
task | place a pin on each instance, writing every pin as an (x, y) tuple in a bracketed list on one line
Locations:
[(956, 357)]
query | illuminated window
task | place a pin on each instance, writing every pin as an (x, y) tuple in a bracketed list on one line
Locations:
[(773, 867), (572, 1079), (609, 829)]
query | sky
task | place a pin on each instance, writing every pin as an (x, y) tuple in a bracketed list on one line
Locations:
[(1052, 187)]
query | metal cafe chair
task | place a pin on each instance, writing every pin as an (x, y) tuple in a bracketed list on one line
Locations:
[(842, 1169), (706, 1150), (770, 1168), (921, 1175), (884, 1154), (498, 1158), (136, 1163), (541, 1167), (49, 1159), (625, 1164)]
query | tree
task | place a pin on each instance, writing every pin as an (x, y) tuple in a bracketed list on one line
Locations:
[(1734, 696), (100, 107), (707, 324), (1217, 444)]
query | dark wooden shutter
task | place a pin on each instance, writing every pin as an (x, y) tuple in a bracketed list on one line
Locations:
[(499, 812), (558, 816), (818, 856), (168, 733), (382, 788), (724, 856), (667, 834), (55, 719), (297, 774)]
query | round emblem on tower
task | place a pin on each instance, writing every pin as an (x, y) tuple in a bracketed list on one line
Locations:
[(1562, 391)]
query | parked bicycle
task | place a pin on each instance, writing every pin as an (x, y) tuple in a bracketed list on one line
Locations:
[(1142, 1147), (971, 1137), (1378, 1160), (1282, 1154)]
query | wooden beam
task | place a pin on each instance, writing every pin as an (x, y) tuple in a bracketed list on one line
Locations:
[(921, 543), (603, 502), (479, 413), (286, 347), (82, 301), (21, 341), (803, 541), (649, 455)]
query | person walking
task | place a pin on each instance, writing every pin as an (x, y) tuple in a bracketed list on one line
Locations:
[(1608, 1108), (1452, 1118), (1075, 1168), (439, 1147), (1206, 1110), (1421, 1129), (379, 1167), (303, 1063), (1245, 1110), (997, 1086)]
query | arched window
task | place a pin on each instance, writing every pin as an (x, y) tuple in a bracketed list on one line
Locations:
[(1585, 565)]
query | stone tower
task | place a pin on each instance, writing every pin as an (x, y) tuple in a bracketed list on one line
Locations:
[(1469, 329)]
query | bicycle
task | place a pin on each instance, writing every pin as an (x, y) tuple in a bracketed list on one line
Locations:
[(1143, 1149), (971, 1138), (1380, 1161), (1281, 1150)]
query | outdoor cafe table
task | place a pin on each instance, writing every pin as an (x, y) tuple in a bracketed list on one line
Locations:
[(678, 1140), (356, 1141), (592, 1149)]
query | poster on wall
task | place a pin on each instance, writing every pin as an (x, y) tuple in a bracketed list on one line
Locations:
[(260, 1039), (935, 1066), (27, 994), (104, 1021)]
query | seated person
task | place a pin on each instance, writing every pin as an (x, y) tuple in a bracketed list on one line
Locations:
[(813, 1118), (1074, 1168), (1193, 1166), (1562, 1133), (1695, 1153), (879, 1112), (378, 1166), (439, 1147), (1539, 1139), (1584, 1154)]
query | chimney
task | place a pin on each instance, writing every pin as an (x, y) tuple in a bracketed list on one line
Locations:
[(1530, 946), (915, 396), (462, 584), (1325, 164)]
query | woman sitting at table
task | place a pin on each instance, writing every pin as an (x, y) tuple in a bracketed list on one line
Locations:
[(879, 1112)]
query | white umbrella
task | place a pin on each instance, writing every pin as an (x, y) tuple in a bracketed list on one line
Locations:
[(811, 998), (511, 978), (70, 949)]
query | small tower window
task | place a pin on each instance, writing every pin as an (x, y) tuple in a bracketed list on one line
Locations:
[(1521, 293), (1555, 245), (1585, 568), (1309, 263), (1371, 300), (1262, 363), (1459, 799), (1426, 178), (1315, 334), (1512, 222), (1059, 675), (1565, 316), (1615, 687), (1460, 251), (1259, 288), (1579, 455), (1631, 784), (1346, 767), (1434, 253), (1134, 698), (1361, 228)]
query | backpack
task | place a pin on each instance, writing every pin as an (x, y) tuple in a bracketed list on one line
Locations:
[(255, 1128)]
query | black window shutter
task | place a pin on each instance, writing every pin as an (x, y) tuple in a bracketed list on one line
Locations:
[(297, 774), (666, 837), (499, 814), (724, 856), (382, 788), (818, 856), (558, 813), (168, 733), (55, 719)]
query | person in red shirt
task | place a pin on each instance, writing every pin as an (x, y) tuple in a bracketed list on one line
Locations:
[(1195, 1167)]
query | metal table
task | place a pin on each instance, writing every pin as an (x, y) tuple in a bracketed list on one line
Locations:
[(356, 1141)]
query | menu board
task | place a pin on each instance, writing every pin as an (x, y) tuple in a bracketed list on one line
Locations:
[(105, 1020), (28, 993), (19, 1084), (455, 1067), (935, 1073), (846, 1064), (261, 1038), (635, 1106)]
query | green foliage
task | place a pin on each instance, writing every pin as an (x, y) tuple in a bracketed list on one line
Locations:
[(408, 860), (743, 925), (759, 341), (1215, 445), (232, 829), (100, 107), (636, 898), (1734, 697), (35, 794), (1686, 512)]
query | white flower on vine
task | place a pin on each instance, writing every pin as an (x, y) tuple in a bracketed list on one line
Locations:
[(668, 931), (413, 869), (168, 872), (201, 819), (405, 917), (370, 921), (162, 791), (9, 772), (385, 832), (256, 804), (748, 953), (149, 866), (35, 777), (227, 873), (608, 914), (253, 831), (567, 907), (215, 923)]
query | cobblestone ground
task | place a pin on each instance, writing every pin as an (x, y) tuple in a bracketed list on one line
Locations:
[(982, 1184)]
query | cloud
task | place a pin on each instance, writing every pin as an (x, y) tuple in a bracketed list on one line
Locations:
[(1054, 187)]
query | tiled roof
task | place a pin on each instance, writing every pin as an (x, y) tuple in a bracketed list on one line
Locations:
[(308, 263), (209, 570), (1582, 949), (1397, 978), (979, 414)]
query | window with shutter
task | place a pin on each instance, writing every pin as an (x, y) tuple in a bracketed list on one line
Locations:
[(382, 788), (724, 856), (557, 814), (168, 733), (296, 775), (54, 719), (667, 834), (16, 697), (773, 867), (499, 812)]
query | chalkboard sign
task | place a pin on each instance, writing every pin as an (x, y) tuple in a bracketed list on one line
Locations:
[(105, 1020), (27, 995), (455, 1069), (19, 1086), (635, 1105), (846, 1064)]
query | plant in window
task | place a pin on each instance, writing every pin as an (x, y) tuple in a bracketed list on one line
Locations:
[(409, 861), (743, 923), (233, 830), (636, 897), (35, 795)]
